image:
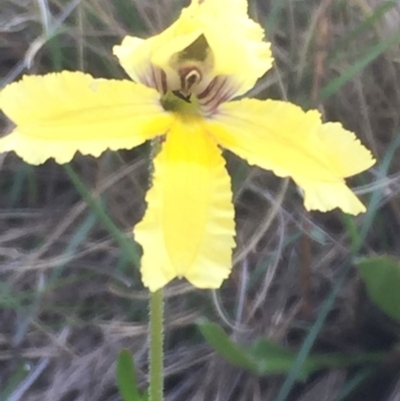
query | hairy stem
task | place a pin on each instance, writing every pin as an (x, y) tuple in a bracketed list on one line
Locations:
[(156, 346)]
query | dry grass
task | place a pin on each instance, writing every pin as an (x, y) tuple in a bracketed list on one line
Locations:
[(69, 297)]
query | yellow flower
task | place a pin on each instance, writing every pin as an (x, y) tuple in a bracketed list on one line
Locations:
[(184, 81)]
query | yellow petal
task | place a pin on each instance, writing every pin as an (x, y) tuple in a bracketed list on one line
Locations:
[(327, 196), (279, 136), (236, 43), (134, 56), (137, 55), (57, 115), (188, 228)]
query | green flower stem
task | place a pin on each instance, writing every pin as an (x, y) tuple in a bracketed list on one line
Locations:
[(156, 346)]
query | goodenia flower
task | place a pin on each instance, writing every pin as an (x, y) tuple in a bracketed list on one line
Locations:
[(184, 80)]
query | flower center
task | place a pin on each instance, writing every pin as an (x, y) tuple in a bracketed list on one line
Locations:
[(190, 76), (188, 84)]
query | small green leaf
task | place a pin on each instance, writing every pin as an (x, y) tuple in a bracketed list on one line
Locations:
[(221, 342), (275, 359), (126, 377), (381, 276), (265, 357)]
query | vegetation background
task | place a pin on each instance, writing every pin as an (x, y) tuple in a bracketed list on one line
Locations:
[(70, 291)]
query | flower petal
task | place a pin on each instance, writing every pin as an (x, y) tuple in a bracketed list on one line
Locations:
[(137, 55), (236, 43), (281, 137), (59, 114), (325, 196), (188, 228), (134, 56)]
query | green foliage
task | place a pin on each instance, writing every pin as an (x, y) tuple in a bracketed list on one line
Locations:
[(16, 378), (232, 352), (350, 53), (265, 357), (381, 276), (363, 28), (127, 12), (126, 377), (127, 245), (370, 55)]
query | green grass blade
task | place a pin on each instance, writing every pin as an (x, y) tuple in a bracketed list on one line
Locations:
[(127, 245), (77, 239), (335, 84), (274, 14), (376, 197), (361, 29), (354, 382), (312, 335), (16, 378)]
